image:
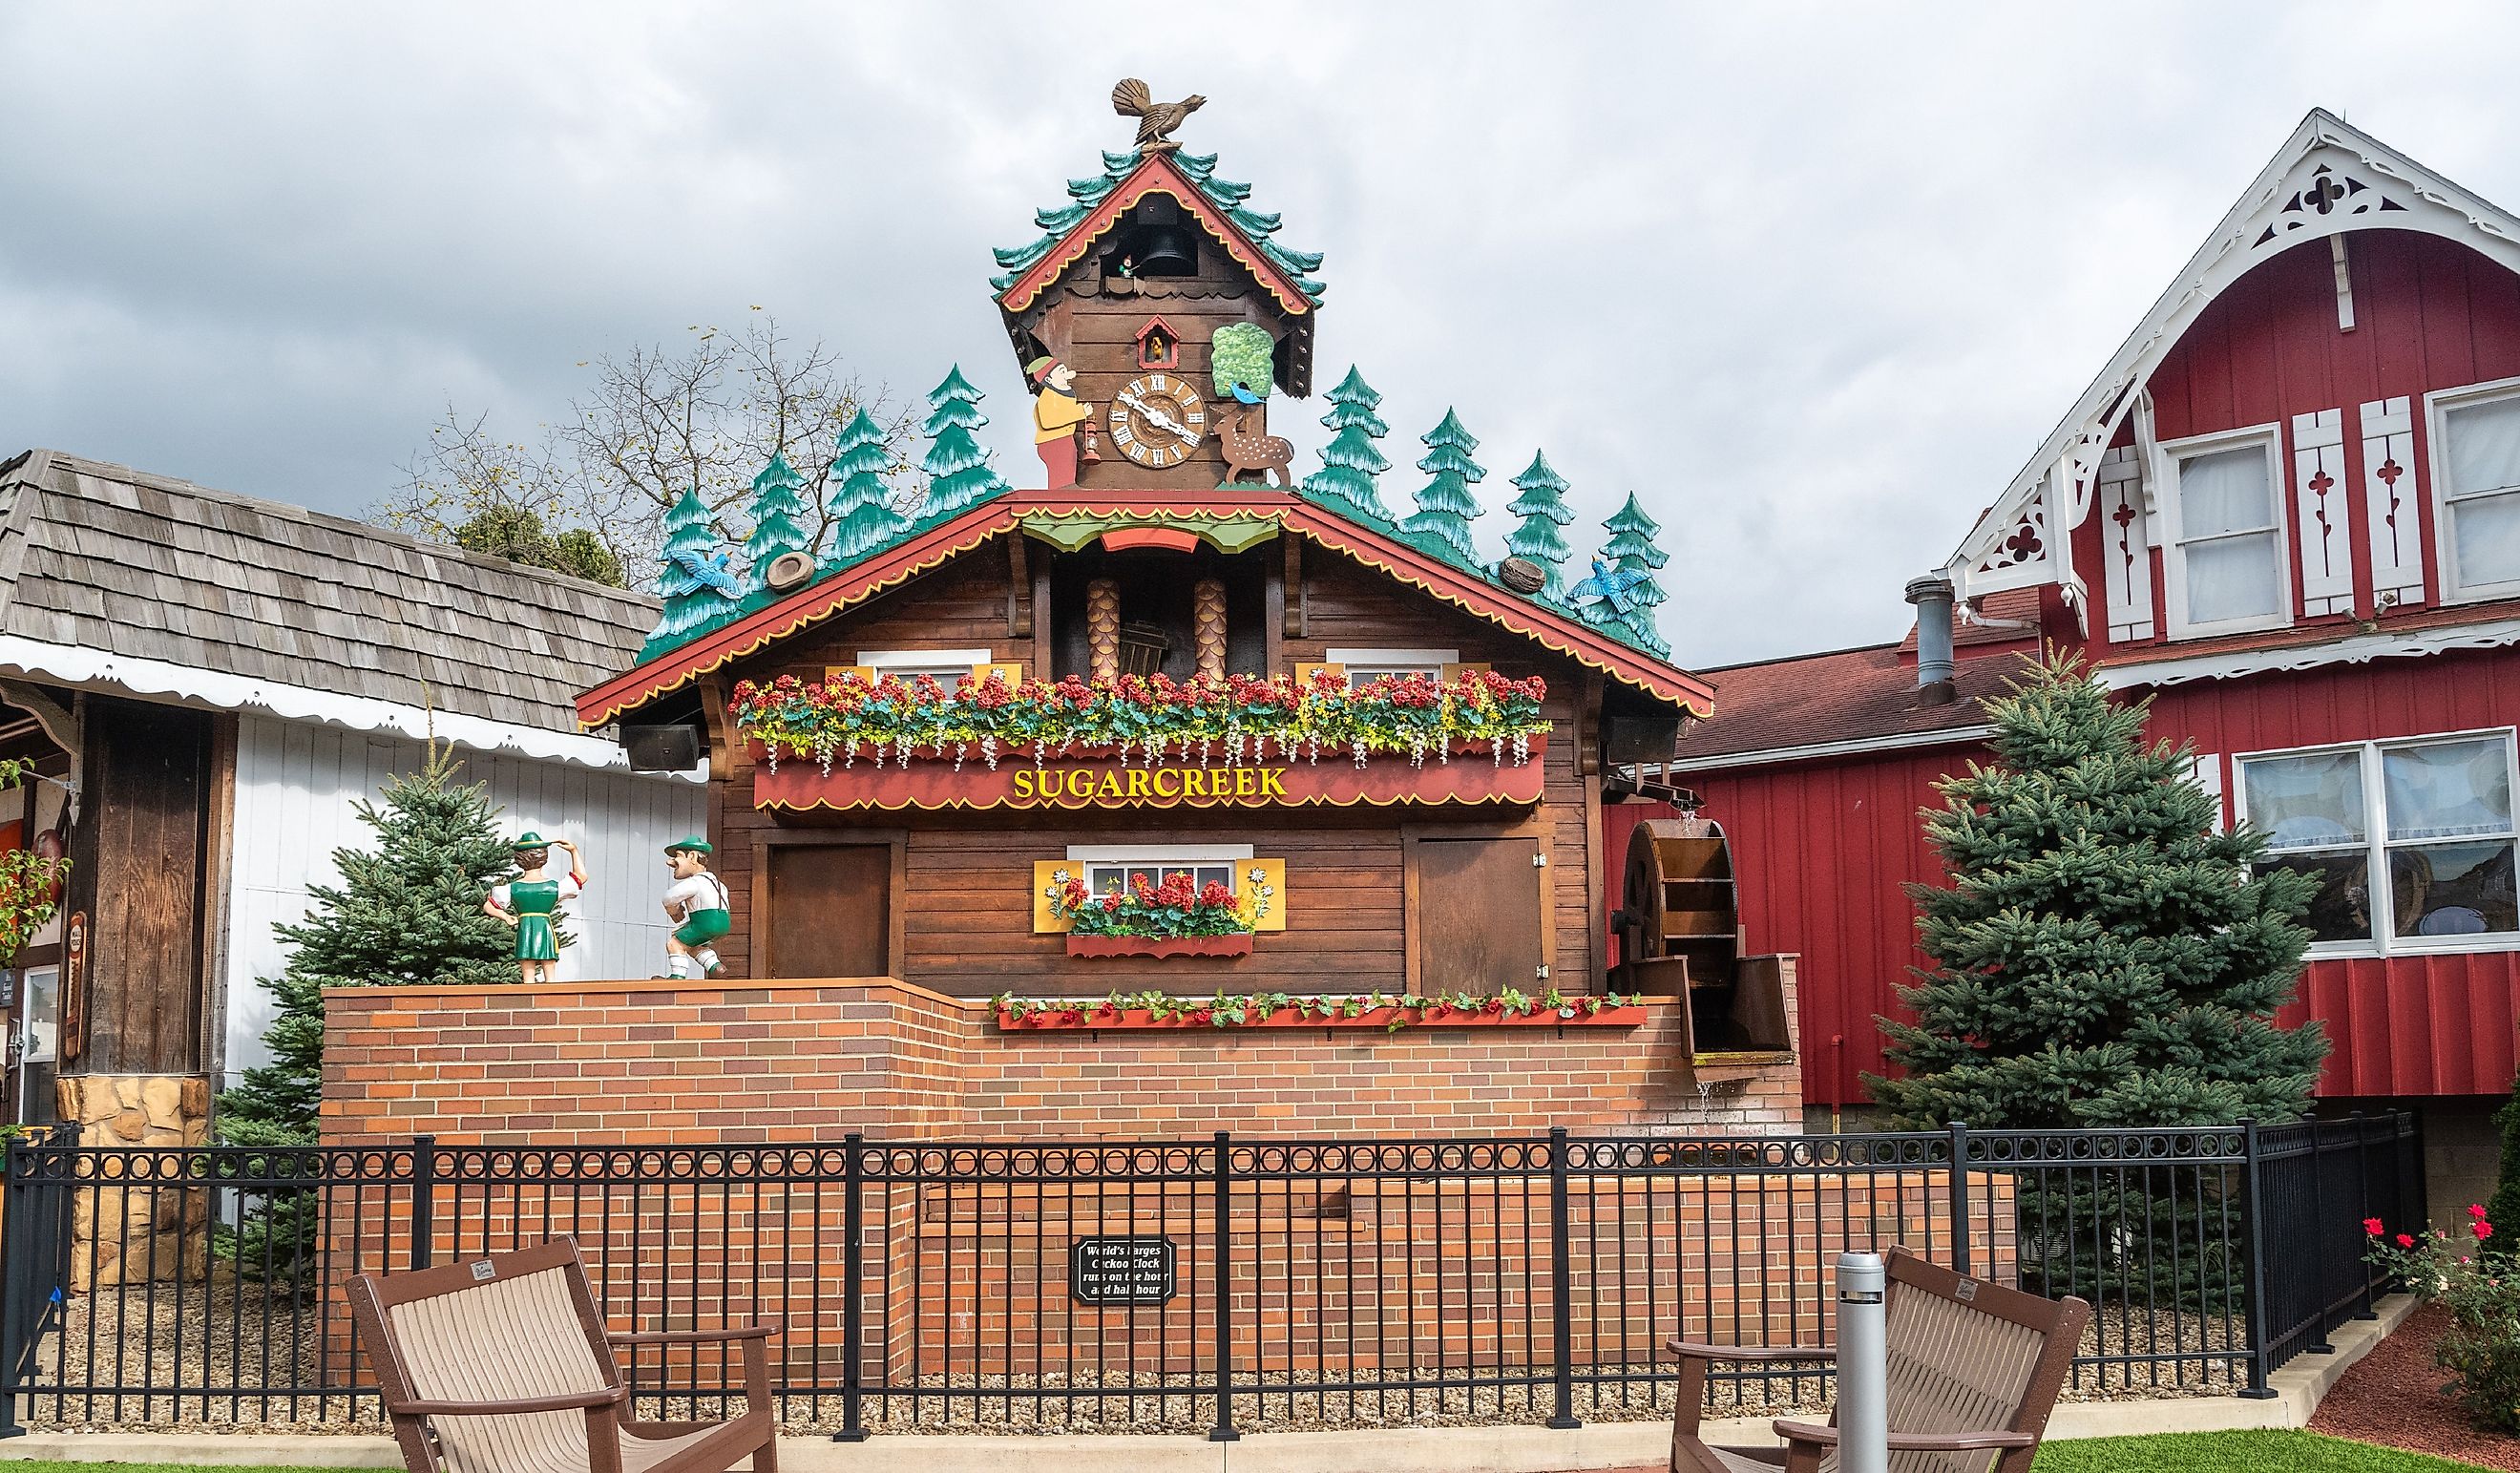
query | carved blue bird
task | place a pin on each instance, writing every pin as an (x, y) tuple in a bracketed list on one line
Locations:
[(711, 572), (1607, 585), (1242, 396)]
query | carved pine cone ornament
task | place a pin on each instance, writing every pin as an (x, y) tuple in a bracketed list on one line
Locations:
[(1208, 627), (1103, 629)]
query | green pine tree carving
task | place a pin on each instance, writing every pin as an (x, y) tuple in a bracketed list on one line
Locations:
[(778, 517), (1350, 461), (407, 912), (2102, 956), (692, 601), (863, 519), (1542, 510), (1445, 504), (1634, 559), (958, 475)]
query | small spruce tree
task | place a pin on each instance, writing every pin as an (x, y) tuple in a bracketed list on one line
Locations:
[(2102, 956), (1542, 510), (2504, 1207), (778, 517), (1631, 553), (691, 600), (1445, 504), (958, 475), (1350, 461), (406, 914), (863, 518)]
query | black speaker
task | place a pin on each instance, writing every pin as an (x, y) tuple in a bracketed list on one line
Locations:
[(661, 749), (1627, 740)]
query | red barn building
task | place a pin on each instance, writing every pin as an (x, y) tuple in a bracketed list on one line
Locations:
[(2287, 509)]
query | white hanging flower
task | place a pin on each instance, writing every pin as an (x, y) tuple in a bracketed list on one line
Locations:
[(989, 752)]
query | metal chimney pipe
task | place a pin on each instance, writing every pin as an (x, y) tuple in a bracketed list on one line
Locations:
[(1935, 669), (1863, 1360)]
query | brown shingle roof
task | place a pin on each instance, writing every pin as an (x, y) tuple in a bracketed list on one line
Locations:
[(1843, 695), (110, 559)]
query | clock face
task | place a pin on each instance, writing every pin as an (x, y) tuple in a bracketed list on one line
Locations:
[(1157, 420)]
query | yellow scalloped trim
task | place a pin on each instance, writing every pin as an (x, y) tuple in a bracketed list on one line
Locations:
[(1084, 233), (1398, 802)]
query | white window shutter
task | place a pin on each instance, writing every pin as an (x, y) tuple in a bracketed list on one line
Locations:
[(2127, 552), (2205, 770), (2322, 521), (2395, 529)]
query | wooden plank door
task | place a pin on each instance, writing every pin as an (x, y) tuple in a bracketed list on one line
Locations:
[(830, 910), (1476, 922)]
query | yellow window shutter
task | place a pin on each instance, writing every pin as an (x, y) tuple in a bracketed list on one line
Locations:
[(1014, 673), (1260, 892), (1304, 672), (1047, 880), (862, 672), (1448, 672)]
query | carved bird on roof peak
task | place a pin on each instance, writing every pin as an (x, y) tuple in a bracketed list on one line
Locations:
[(1155, 120)]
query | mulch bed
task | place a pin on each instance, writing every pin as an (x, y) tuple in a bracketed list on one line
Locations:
[(2393, 1397)]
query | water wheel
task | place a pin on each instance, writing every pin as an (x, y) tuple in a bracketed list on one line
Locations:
[(1677, 904)]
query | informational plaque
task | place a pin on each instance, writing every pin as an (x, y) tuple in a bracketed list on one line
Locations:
[(1121, 1269)]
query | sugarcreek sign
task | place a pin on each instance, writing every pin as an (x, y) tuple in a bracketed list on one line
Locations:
[(1091, 781)]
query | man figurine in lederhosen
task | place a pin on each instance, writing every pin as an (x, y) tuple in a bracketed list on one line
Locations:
[(697, 904)]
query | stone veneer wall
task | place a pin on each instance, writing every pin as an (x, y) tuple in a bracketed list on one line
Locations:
[(655, 1062), (134, 1234)]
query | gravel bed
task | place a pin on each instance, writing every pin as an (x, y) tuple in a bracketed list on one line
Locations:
[(214, 1325)]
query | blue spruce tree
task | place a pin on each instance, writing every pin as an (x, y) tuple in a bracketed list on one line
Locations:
[(1445, 504)]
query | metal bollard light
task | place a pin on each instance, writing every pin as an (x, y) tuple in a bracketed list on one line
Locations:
[(1862, 1364)]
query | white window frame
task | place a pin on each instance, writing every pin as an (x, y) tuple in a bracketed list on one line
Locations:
[(2436, 408), (1427, 662), (2174, 552), (2385, 942), (1089, 858), (950, 667)]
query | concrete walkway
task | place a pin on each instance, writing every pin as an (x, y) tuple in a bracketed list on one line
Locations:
[(2298, 1388)]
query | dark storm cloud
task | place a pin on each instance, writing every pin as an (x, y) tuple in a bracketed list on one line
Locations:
[(1813, 282)]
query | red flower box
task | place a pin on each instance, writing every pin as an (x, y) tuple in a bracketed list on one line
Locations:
[(1237, 945)]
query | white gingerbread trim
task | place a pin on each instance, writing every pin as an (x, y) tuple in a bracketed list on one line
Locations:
[(2326, 180), (2359, 650)]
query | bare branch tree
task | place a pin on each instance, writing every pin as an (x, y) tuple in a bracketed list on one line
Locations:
[(653, 424)]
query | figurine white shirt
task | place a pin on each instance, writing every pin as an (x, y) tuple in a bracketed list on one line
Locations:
[(703, 891), (568, 892)]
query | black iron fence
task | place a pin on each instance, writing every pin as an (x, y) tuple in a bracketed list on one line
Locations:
[(1205, 1286)]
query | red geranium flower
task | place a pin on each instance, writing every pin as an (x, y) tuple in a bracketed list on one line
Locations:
[(2371, 1225)]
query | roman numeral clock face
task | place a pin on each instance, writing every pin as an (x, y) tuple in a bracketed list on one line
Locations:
[(1157, 420)]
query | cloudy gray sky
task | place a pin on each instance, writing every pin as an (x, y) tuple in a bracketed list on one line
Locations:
[(1813, 282)]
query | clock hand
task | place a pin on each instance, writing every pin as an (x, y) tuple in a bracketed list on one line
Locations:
[(1154, 415)]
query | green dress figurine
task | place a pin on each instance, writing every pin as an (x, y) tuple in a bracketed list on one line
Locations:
[(529, 901)]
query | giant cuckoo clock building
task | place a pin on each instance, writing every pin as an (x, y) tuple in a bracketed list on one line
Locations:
[(1160, 717)]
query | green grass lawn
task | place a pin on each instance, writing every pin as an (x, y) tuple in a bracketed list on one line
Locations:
[(2234, 1452)]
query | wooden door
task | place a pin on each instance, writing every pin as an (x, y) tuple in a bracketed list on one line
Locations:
[(830, 910), (1476, 923)]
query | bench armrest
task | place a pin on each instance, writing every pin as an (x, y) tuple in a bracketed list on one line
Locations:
[(1694, 1351), (1912, 1442), (694, 1337), (566, 1401)]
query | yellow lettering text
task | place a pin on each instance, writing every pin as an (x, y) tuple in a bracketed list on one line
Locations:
[(1141, 784), (1023, 783), (1111, 788), (1195, 784), (1246, 783), (1173, 795), (1079, 786), (1273, 782)]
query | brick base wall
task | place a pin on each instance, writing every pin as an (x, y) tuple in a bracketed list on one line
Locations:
[(678, 1062)]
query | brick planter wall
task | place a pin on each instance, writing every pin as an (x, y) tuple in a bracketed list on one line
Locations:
[(658, 1062)]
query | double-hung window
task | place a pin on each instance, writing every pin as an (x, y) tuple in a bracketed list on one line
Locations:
[(948, 668), (2476, 467), (2226, 558), (1364, 666), (1116, 871), (2412, 842)]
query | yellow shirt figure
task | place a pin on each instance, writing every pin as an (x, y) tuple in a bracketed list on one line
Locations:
[(1055, 414)]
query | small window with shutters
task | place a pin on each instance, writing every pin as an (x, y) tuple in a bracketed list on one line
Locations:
[(948, 668), (1259, 885), (1359, 667)]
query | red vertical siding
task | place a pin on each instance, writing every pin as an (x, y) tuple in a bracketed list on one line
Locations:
[(1823, 850), (2429, 314)]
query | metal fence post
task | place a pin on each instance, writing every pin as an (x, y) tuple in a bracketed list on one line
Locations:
[(2251, 1169), (852, 1288), (2318, 1344), (1959, 1199), (1561, 1285), (17, 1280), (424, 1198), (1222, 1431)]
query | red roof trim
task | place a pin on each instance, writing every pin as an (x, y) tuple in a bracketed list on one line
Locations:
[(669, 672), (1153, 174)]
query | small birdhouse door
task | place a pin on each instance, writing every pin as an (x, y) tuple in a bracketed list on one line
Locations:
[(1159, 345)]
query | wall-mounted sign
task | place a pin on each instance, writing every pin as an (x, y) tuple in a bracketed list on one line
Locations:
[(1091, 782), (1135, 1269), (73, 1032)]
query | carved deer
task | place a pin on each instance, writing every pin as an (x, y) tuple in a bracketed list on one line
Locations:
[(1248, 448)]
